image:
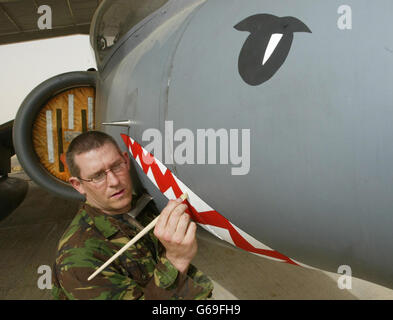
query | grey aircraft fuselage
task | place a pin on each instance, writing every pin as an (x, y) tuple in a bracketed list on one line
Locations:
[(311, 81)]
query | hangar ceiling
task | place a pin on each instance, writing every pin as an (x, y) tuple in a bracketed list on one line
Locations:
[(19, 19)]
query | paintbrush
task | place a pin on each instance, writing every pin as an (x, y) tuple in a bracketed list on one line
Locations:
[(150, 226)]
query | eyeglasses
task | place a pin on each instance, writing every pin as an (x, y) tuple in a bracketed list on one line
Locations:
[(101, 176)]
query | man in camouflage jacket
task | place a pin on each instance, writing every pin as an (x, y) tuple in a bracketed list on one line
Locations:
[(158, 266)]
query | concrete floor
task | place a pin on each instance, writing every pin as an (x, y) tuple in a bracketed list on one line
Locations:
[(29, 236), (28, 239)]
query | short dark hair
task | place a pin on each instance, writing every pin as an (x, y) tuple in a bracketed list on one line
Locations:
[(85, 142)]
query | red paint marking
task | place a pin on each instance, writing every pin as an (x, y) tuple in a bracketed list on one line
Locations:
[(213, 218)]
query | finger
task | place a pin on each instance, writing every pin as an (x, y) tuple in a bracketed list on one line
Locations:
[(163, 217), (191, 231), (173, 219), (167, 211), (181, 229)]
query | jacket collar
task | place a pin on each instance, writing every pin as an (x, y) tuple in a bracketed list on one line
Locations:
[(108, 225), (104, 223)]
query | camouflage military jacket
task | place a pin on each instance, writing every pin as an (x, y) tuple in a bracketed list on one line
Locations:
[(141, 272)]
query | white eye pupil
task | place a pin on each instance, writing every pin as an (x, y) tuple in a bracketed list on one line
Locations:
[(273, 42)]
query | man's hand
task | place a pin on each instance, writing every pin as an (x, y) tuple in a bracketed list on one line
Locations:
[(177, 234)]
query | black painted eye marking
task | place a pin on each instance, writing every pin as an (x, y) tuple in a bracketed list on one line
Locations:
[(267, 47)]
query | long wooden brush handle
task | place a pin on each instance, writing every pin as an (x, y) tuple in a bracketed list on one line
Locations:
[(150, 226)]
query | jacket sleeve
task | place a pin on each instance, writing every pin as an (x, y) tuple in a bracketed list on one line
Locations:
[(168, 283), (72, 269)]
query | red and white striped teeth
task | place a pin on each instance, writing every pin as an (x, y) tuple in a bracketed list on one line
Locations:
[(199, 210)]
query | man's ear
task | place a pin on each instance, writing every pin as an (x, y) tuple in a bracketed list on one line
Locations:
[(127, 159), (76, 184)]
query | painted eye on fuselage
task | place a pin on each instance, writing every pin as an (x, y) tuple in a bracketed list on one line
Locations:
[(267, 46)]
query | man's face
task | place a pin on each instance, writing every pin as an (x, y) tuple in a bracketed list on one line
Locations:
[(114, 194)]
